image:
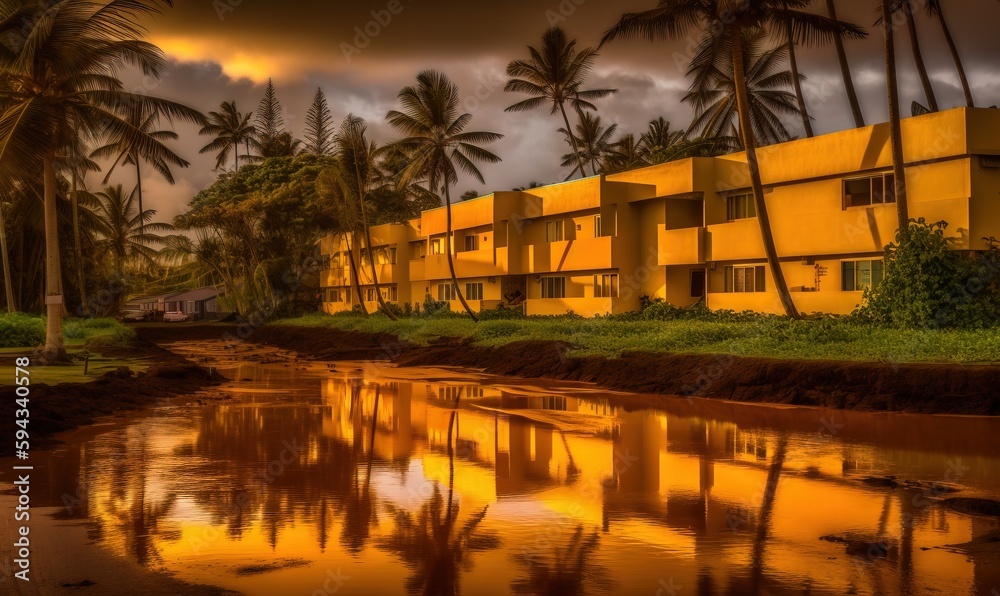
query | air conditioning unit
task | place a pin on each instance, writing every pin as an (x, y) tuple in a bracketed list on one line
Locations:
[(492, 280)]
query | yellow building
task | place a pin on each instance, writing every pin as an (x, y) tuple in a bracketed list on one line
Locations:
[(687, 230)]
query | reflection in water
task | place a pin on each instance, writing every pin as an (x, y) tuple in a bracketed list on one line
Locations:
[(437, 482)]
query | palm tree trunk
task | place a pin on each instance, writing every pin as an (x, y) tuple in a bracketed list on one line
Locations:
[(8, 286), (572, 139), (354, 270), (451, 258), (918, 57), (845, 70), (236, 156), (750, 145), (371, 249), (54, 350), (138, 190), (898, 166), (797, 84), (955, 55), (84, 304)]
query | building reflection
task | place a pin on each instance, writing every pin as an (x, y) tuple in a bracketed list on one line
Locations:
[(446, 475)]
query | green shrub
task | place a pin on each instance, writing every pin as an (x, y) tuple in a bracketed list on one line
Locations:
[(433, 307), (927, 284), (19, 330)]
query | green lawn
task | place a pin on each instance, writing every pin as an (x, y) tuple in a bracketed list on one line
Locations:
[(768, 337)]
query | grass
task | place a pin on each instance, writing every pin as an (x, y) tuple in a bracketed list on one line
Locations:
[(20, 330), (754, 336)]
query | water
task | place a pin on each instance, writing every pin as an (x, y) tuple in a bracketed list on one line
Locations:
[(312, 479)]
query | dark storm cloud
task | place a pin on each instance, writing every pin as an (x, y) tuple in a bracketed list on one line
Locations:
[(362, 53)]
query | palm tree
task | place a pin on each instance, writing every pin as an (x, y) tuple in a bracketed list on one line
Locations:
[(358, 170), (332, 185), (845, 69), (793, 65), (5, 256), (125, 150), (58, 67), (892, 89), (554, 75), (592, 145), (728, 26), (124, 232), (230, 129), (906, 7), (78, 164), (436, 142), (624, 154), (935, 9), (716, 110)]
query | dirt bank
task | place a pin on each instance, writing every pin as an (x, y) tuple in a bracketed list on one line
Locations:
[(863, 386), (54, 409)]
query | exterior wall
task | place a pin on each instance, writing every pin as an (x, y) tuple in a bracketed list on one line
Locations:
[(659, 224)]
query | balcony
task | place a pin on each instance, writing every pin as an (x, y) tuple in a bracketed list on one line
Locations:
[(685, 246), (585, 254), (417, 270), (332, 278), (734, 241), (469, 264)]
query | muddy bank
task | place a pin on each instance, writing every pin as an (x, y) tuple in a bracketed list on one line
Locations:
[(862, 386), (58, 408)]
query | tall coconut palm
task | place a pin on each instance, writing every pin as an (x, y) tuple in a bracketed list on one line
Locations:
[(554, 75), (358, 168), (714, 99), (623, 155), (332, 185), (231, 128), (896, 134), (79, 164), (727, 26), (58, 67), (438, 145), (124, 232), (125, 150), (8, 285), (845, 69), (906, 7), (592, 146), (934, 9)]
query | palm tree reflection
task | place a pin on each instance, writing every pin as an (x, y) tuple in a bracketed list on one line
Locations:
[(568, 571)]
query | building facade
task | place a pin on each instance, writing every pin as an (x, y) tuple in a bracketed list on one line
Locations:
[(687, 231)]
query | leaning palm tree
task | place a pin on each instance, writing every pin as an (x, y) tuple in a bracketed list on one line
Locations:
[(5, 260), (231, 128), (554, 75), (793, 66), (714, 100), (124, 232), (727, 27), (906, 7), (896, 131), (845, 70), (593, 143), (436, 142), (126, 150), (934, 9), (58, 69), (332, 185), (358, 169)]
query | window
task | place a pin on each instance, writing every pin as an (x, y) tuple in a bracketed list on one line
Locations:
[(740, 207), (370, 295), (597, 226), (190, 307), (858, 275), (447, 293), (873, 190), (554, 402), (555, 231), (392, 256), (471, 242), (437, 246), (390, 294), (474, 291), (606, 286), (333, 296), (745, 279), (553, 287)]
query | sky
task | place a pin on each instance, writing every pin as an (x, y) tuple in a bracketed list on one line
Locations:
[(362, 52)]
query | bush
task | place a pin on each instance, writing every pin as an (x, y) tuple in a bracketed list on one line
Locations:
[(432, 306), (927, 284), (19, 330)]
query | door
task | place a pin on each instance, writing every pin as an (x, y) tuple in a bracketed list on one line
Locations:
[(698, 283)]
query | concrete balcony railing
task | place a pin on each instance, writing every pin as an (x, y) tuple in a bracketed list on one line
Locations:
[(586, 254), (417, 272), (685, 246), (469, 264), (332, 278), (734, 241)]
